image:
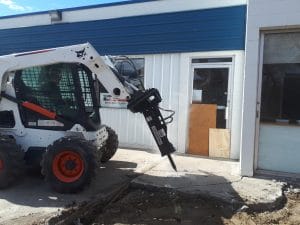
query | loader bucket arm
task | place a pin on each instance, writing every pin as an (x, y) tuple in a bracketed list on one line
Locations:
[(142, 101), (147, 103)]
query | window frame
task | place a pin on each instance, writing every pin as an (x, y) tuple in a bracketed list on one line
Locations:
[(117, 103), (264, 32)]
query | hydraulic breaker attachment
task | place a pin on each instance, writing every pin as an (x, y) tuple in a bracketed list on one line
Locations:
[(147, 103)]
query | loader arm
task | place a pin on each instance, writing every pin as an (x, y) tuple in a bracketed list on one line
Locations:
[(145, 102)]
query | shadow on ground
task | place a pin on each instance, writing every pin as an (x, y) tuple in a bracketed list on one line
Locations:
[(33, 191)]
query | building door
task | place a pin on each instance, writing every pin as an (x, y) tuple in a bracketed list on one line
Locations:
[(279, 111), (210, 109)]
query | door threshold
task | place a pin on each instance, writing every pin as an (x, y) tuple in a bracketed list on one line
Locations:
[(207, 157), (277, 174)]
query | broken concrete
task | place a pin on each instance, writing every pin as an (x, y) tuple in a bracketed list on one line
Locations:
[(215, 179)]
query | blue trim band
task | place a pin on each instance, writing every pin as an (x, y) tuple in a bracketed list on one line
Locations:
[(188, 31)]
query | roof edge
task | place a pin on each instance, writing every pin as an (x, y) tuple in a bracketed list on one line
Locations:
[(103, 5)]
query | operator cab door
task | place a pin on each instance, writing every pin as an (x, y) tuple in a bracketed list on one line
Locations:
[(66, 89), (210, 119)]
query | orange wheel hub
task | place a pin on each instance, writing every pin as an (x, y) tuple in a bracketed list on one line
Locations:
[(68, 166), (1, 164)]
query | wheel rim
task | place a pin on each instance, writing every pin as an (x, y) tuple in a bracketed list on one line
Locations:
[(1, 164), (68, 166)]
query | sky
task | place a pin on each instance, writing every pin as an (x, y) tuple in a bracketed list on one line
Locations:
[(14, 7)]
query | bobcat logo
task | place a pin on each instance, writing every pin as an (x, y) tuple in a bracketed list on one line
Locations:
[(81, 53)]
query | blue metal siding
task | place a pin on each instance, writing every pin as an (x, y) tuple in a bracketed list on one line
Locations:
[(189, 31)]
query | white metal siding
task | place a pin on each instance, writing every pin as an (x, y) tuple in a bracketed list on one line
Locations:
[(267, 14), (171, 74), (161, 72)]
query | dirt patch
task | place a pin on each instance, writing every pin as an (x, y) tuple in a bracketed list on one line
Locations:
[(289, 214), (162, 207)]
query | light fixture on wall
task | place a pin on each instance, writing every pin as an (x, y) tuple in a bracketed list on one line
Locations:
[(55, 15)]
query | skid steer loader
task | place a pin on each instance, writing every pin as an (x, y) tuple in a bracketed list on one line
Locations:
[(49, 113)]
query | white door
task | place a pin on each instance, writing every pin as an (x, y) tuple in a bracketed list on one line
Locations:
[(210, 109), (279, 111)]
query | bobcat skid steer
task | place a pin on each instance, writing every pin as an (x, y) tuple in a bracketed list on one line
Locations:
[(49, 114)]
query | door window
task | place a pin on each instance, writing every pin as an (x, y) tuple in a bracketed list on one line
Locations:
[(210, 86)]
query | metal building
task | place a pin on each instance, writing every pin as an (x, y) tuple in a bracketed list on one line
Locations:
[(192, 51)]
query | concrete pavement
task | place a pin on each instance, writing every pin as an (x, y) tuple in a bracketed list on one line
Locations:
[(33, 200), (214, 179)]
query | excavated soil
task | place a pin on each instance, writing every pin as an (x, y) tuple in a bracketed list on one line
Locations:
[(288, 215), (162, 207)]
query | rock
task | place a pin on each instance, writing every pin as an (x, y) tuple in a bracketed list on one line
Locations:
[(243, 208), (296, 190)]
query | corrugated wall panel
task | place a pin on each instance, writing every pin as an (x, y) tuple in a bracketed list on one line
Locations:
[(189, 31), (129, 127), (161, 72)]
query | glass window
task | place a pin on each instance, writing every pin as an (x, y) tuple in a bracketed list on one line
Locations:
[(211, 60), (210, 86), (132, 70), (212, 82), (281, 78)]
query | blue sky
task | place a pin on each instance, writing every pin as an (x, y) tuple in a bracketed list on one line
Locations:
[(13, 7)]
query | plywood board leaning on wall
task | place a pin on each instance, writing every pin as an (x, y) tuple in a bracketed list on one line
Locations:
[(202, 117), (219, 143)]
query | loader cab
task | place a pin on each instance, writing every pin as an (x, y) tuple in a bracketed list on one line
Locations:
[(67, 89)]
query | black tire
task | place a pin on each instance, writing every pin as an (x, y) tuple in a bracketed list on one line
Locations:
[(71, 154), (12, 162), (111, 145)]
